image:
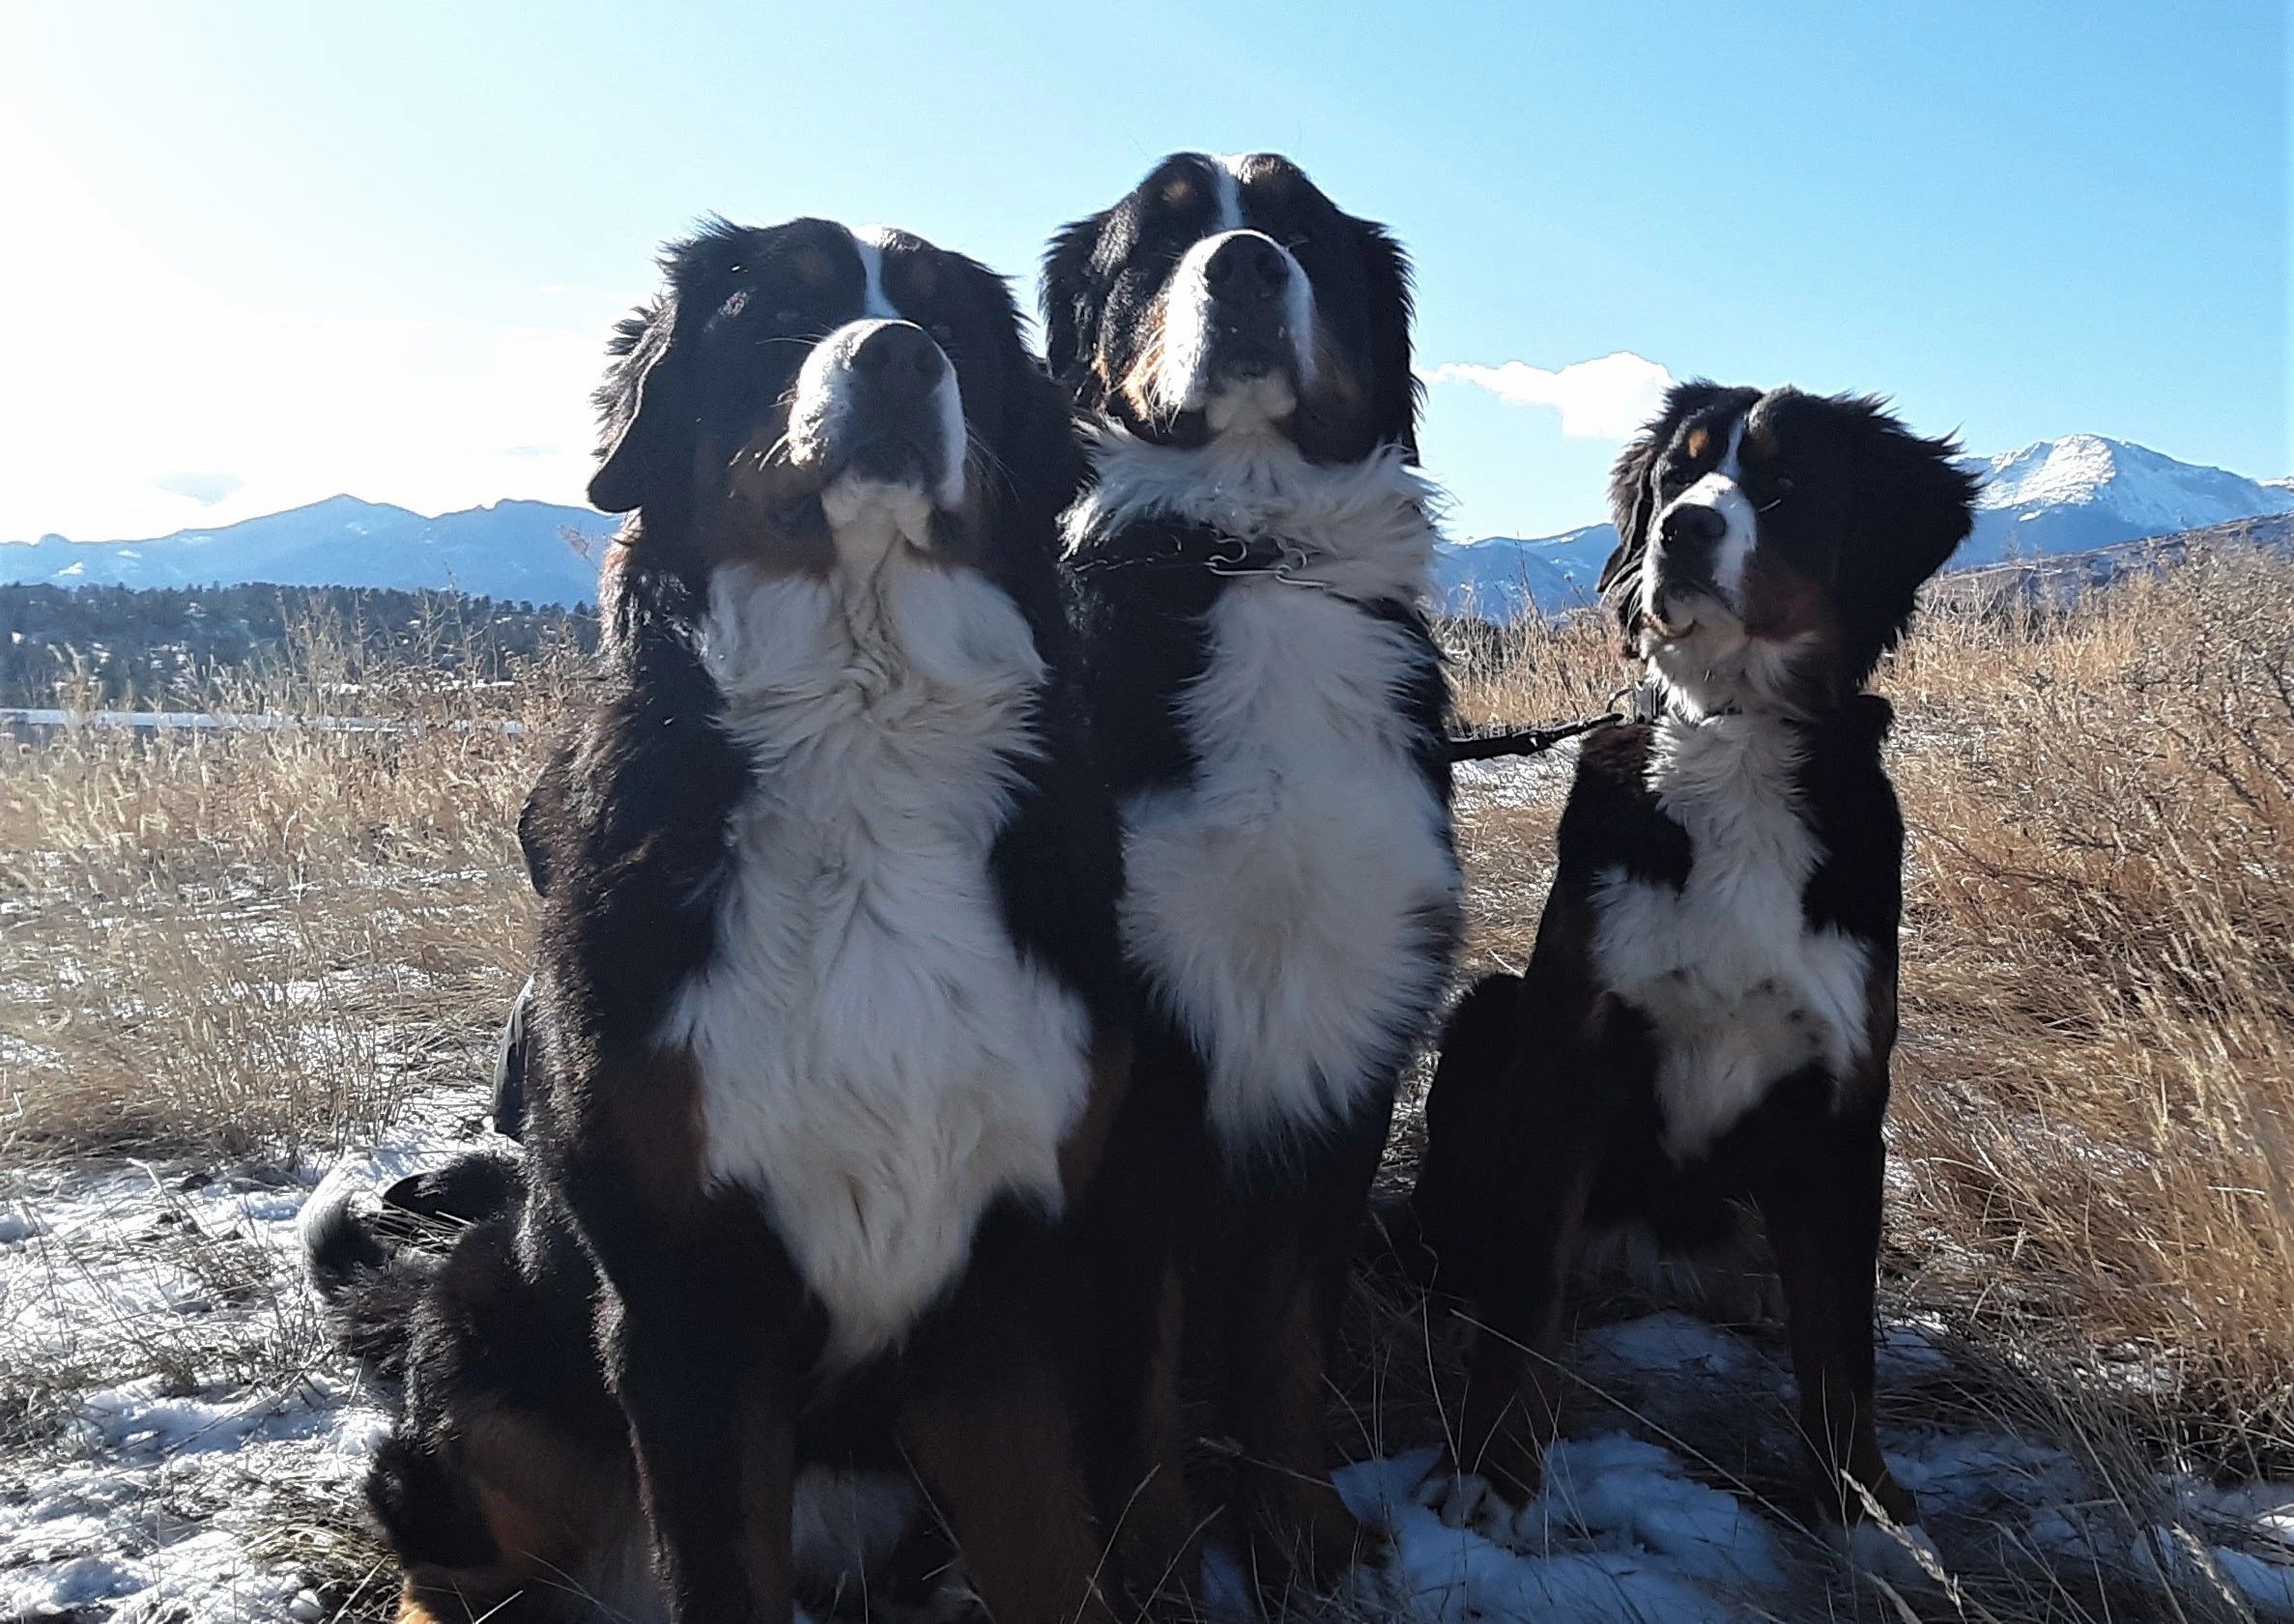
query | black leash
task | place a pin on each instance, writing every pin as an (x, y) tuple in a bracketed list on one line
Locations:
[(1523, 741), (1645, 702)]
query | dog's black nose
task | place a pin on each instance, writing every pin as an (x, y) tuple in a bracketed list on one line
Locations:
[(1247, 268), (1692, 527), (901, 359)]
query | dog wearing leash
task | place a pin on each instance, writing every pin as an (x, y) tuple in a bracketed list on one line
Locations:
[(1249, 566), (1708, 1013), (827, 1023)]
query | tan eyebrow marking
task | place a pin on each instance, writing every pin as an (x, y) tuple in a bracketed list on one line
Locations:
[(1178, 191), (1699, 439), (813, 268)]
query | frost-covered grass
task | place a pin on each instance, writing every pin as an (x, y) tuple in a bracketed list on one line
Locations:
[(232, 955), (177, 1438)]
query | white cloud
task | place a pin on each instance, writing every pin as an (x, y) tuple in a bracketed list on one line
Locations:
[(1603, 399), (204, 489)]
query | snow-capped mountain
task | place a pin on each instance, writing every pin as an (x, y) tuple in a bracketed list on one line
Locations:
[(1500, 577), (511, 549), (2055, 497), (2083, 491)]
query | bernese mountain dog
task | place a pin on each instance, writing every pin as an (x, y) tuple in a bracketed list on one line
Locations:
[(1251, 566), (828, 1023), (1708, 1016)]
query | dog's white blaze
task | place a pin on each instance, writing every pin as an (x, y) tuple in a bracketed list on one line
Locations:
[(1279, 902), (868, 241), (877, 1060), (1227, 181), (1740, 991)]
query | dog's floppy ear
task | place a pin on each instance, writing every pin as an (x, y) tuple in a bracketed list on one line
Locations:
[(645, 427), (1043, 465), (1913, 505), (1633, 506), (1395, 389), (1049, 468), (1071, 299)]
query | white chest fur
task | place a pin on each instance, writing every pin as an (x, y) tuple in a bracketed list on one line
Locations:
[(877, 1062), (1740, 990), (1280, 902)]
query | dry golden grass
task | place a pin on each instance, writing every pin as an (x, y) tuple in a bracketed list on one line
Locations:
[(257, 938), (2098, 1069)]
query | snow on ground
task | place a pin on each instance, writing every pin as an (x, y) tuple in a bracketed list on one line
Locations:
[(1514, 781), (182, 1442), (184, 1445)]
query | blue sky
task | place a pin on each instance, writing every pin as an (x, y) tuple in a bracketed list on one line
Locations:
[(262, 251)]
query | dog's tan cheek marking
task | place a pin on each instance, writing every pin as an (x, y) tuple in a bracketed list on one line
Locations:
[(741, 527), (1137, 386), (1781, 604), (1334, 379)]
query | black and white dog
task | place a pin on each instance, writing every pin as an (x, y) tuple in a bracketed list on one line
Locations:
[(1250, 566), (1708, 1014), (828, 1021)]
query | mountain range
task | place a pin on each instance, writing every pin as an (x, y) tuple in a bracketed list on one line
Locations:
[(515, 551), (2051, 498)]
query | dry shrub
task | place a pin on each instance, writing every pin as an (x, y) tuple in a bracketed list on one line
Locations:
[(2098, 1064), (257, 936)]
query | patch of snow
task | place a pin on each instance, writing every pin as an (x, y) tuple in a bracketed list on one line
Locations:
[(1515, 781), (163, 1495)]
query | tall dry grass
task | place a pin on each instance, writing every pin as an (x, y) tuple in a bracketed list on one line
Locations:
[(262, 936), (2096, 1099)]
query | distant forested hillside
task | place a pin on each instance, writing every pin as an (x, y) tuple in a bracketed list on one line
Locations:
[(120, 645)]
